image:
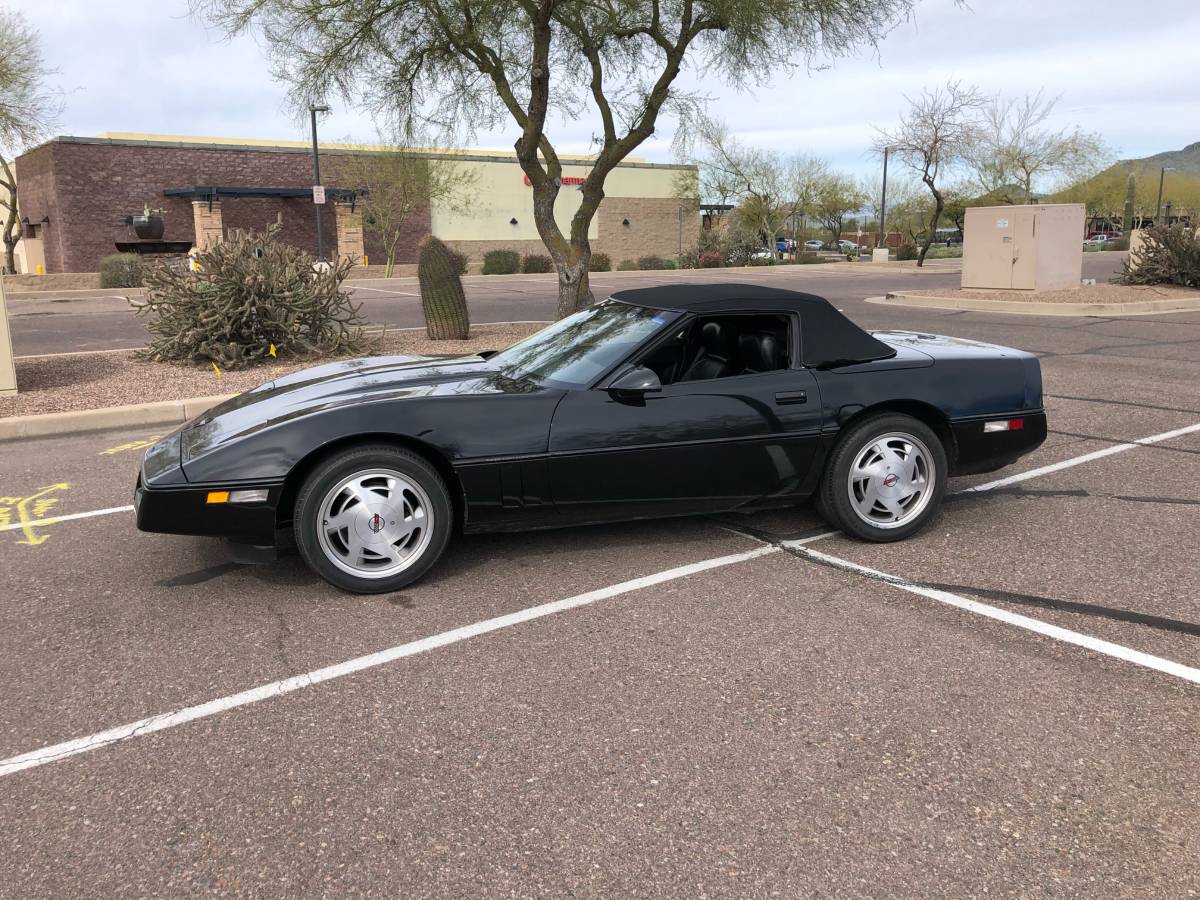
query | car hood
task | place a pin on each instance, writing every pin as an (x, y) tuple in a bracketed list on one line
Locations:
[(353, 381)]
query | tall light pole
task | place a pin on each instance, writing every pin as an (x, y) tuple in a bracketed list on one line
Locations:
[(883, 203), (1162, 174), (313, 110)]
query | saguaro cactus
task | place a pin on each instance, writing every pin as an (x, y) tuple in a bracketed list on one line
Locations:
[(442, 297), (1130, 196)]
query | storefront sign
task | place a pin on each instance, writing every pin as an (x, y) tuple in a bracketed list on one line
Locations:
[(566, 179)]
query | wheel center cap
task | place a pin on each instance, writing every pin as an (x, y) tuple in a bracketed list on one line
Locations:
[(891, 480), (376, 523)]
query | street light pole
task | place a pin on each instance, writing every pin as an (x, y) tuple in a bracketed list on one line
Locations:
[(883, 202), (313, 110), (1162, 174)]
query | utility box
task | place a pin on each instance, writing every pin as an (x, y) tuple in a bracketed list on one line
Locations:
[(8, 373), (1023, 248)]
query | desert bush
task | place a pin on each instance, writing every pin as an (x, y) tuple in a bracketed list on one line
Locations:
[(627, 265), (254, 297), (501, 262), (121, 270), (907, 252), (808, 258), (1169, 254), (600, 262), (711, 259), (458, 261), (670, 264), (536, 264), (442, 299), (650, 263)]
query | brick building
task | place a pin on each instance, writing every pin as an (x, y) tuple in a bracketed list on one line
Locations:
[(77, 194)]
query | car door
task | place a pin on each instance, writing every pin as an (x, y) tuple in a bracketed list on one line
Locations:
[(693, 447)]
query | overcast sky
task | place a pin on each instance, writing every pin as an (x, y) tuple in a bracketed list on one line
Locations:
[(1125, 71)]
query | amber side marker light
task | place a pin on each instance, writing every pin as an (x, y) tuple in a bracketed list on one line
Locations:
[(218, 497), (1005, 425)]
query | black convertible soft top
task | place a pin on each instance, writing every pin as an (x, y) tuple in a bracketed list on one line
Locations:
[(827, 337)]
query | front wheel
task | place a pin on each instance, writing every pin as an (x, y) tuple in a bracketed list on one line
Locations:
[(885, 478), (373, 519)]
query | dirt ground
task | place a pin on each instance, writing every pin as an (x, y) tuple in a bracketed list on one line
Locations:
[(63, 382), (1097, 293)]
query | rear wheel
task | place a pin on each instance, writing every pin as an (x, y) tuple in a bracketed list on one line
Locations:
[(373, 519), (885, 478)]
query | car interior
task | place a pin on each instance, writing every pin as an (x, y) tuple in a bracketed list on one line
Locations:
[(721, 346)]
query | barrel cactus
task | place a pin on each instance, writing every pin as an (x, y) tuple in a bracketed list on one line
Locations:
[(442, 297)]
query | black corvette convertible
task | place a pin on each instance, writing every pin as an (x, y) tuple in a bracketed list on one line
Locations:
[(657, 402)]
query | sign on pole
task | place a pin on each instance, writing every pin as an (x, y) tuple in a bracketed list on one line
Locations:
[(319, 194)]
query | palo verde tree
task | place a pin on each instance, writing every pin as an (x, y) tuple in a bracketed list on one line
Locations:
[(530, 62), (28, 110), (936, 134)]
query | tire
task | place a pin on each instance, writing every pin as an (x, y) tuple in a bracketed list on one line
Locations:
[(390, 544), (854, 494)]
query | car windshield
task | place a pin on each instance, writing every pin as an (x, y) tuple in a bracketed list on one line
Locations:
[(577, 350)]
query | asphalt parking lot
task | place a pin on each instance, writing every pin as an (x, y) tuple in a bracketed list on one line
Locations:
[(740, 706)]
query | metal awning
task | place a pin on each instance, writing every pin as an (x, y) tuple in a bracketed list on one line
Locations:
[(215, 192)]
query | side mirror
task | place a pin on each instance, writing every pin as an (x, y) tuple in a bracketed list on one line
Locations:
[(637, 382)]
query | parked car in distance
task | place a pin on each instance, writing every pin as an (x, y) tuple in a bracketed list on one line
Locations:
[(665, 401), (1096, 240), (814, 245), (846, 245), (785, 246)]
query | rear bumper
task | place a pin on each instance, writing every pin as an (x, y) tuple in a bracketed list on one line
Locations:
[(980, 451), (186, 510)]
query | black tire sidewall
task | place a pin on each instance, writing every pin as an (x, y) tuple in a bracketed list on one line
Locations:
[(347, 462), (833, 501)]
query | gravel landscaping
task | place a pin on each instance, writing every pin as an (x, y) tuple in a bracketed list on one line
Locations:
[(1098, 293), (64, 382)]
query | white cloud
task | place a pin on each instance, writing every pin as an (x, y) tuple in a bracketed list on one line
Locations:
[(146, 65)]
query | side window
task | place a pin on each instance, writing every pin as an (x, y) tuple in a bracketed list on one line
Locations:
[(722, 347)]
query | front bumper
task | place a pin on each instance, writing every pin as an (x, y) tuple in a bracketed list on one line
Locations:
[(186, 510), (979, 451)]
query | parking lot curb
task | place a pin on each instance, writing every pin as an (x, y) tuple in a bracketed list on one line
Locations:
[(1133, 308), (164, 412)]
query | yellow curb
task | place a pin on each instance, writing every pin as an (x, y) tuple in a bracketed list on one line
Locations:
[(1028, 308), (77, 421)]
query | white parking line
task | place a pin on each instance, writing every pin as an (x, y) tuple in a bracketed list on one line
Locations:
[(67, 518), (1118, 651), (296, 682), (1079, 460)]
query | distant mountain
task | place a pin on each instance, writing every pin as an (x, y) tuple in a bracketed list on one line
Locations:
[(1185, 160)]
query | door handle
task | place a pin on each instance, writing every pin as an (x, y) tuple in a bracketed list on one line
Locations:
[(791, 397)]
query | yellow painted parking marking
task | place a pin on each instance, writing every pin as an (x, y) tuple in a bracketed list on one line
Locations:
[(30, 513), (132, 445)]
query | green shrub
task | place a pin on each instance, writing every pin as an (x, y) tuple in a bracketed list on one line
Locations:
[(1169, 254), (458, 261), (537, 264), (254, 298), (907, 252), (808, 258), (669, 264), (442, 299), (121, 270), (650, 263), (501, 262), (600, 262), (627, 265)]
